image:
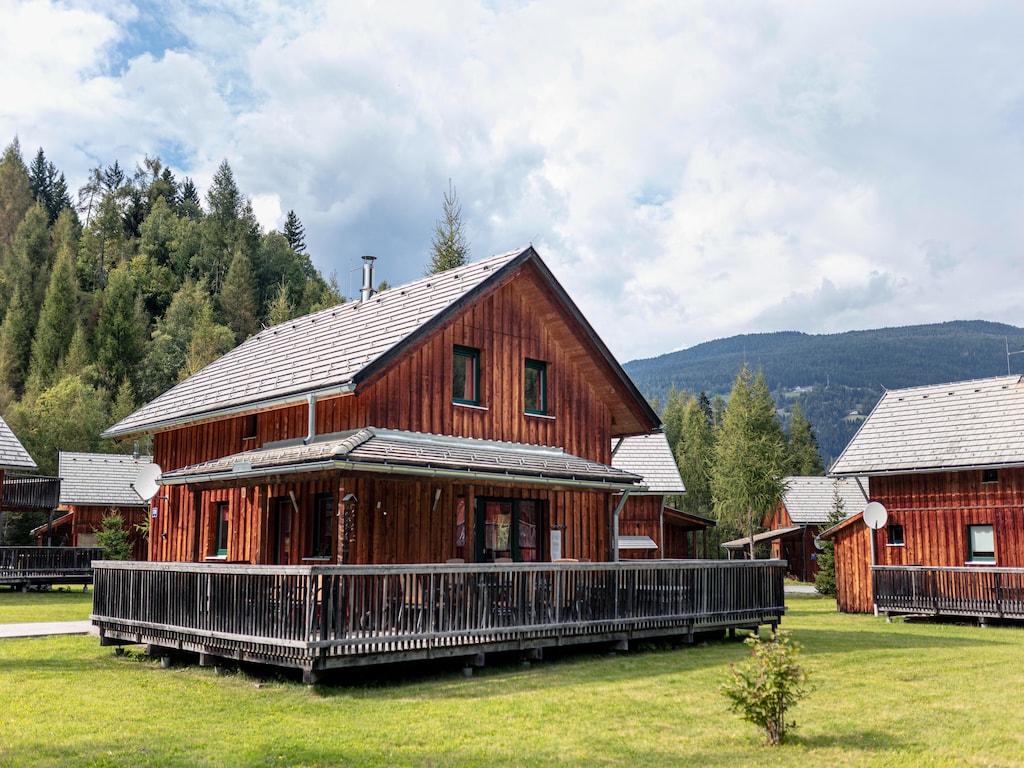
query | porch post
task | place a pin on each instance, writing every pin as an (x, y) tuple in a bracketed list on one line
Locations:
[(469, 549)]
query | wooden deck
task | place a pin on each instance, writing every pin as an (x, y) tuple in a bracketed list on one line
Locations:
[(23, 567), (981, 592), (317, 618)]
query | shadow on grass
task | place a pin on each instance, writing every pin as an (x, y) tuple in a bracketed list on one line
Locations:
[(862, 740)]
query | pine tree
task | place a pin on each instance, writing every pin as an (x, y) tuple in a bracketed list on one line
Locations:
[(825, 579), (749, 456), (209, 341), (121, 329), (450, 248), (280, 309), (695, 456), (295, 233), (57, 323), (16, 344), (114, 538), (238, 298), (804, 459), (15, 193)]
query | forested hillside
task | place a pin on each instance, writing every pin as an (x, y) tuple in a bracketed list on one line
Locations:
[(111, 294), (837, 378)]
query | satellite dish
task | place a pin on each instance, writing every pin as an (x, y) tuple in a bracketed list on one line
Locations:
[(146, 482), (875, 515), (819, 543)]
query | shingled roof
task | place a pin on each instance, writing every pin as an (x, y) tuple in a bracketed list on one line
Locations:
[(100, 479), (12, 453), (809, 500), (650, 457), (963, 425), (376, 450), (333, 350)]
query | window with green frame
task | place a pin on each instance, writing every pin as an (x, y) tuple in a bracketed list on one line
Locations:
[(981, 544), (466, 375), (221, 534), (535, 386)]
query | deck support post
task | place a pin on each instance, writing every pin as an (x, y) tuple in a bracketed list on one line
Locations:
[(310, 677)]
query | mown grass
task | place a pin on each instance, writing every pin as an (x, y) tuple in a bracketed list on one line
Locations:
[(61, 603), (906, 693)]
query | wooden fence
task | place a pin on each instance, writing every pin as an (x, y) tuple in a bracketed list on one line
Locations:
[(320, 617), (27, 566), (981, 592)]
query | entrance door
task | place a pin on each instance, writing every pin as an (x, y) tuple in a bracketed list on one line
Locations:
[(508, 528), (281, 532)]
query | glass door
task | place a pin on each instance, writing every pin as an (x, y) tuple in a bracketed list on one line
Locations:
[(508, 528)]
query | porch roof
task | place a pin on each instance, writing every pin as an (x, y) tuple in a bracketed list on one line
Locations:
[(778, 533), (386, 451)]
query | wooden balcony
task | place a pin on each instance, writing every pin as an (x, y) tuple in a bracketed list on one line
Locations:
[(23, 567), (317, 618), (982, 592)]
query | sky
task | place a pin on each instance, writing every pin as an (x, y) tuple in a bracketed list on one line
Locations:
[(688, 170)]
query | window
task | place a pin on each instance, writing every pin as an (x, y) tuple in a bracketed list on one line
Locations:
[(536, 387), (981, 544), (466, 376), (220, 545), (990, 475), (323, 528), (895, 532), (508, 528), (249, 426)]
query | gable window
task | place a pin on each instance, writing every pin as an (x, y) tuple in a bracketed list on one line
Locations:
[(466, 375), (981, 544), (895, 535), (323, 528), (990, 475), (535, 390), (220, 545)]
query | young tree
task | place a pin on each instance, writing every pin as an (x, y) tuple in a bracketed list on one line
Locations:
[(209, 341), (450, 248), (695, 456), (804, 459), (57, 323), (825, 579), (15, 345), (114, 538), (749, 456), (15, 192), (121, 330), (280, 309)]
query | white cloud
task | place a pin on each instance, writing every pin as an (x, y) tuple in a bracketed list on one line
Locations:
[(689, 170)]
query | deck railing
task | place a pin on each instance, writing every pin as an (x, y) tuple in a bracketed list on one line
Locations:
[(317, 617), (25, 566), (980, 591)]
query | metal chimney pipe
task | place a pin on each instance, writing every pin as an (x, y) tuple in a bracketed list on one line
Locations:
[(367, 290)]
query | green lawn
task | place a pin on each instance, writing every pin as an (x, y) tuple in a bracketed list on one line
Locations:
[(62, 603), (905, 694)]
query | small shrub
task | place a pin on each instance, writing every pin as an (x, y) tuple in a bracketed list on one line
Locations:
[(767, 684)]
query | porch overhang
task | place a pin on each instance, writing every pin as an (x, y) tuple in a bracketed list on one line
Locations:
[(408, 454), (778, 533)]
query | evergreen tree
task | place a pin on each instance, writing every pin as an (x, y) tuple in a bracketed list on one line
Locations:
[(189, 205), (280, 309), (15, 193), (695, 456), (802, 447), (209, 341), (238, 299), (57, 323), (450, 248), (672, 415), (124, 404), (48, 186), (15, 344), (121, 329), (825, 579), (32, 257), (114, 538), (295, 233), (749, 456)]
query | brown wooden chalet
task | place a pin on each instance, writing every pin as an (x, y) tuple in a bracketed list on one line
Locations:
[(947, 463), (94, 485), (648, 527), (428, 469), (802, 513)]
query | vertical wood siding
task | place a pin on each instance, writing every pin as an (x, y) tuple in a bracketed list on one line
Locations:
[(935, 511)]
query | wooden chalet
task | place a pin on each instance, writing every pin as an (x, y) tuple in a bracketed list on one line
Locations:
[(947, 463), (13, 456), (802, 513), (648, 527), (94, 485), (420, 436)]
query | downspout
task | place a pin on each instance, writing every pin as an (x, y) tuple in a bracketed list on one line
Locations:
[(615, 523), (661, 528), (311, 417)]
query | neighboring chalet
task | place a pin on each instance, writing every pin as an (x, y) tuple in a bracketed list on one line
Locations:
[(947, 463), (429, 469), (468, 415), (648, 528), (803, 512), (13, 456), (94, 485)]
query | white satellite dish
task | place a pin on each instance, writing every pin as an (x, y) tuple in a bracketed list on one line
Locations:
[(875, 515), (146, 482), (819, 543)]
